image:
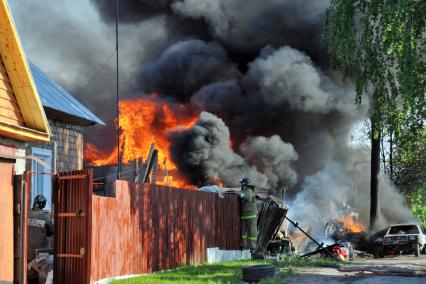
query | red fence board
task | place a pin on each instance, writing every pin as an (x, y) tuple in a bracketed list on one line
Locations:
[(147, 228)]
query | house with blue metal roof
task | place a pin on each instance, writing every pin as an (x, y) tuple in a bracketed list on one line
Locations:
[(67, 119), (59, 102)]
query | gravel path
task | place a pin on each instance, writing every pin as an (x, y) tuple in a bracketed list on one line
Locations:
[(407, 264)]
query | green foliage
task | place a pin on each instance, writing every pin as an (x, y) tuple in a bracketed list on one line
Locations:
[(417, 202), (410, 164), (381, 45)]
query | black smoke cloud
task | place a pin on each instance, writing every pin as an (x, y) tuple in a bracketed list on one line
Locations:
[(185, 67), (203, 154), (248, 25), (272, 157), (135, 12), (243, 26), (132, 11), (284, 93)]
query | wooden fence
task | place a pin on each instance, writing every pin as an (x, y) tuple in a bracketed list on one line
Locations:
[(149, 228)]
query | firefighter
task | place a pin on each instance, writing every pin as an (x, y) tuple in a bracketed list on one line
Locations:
[(248, 213), (40, 227)]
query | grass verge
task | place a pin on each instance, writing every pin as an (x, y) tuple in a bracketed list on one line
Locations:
[(226, 272)]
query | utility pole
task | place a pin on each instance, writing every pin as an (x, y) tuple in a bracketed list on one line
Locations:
[(117, 95)]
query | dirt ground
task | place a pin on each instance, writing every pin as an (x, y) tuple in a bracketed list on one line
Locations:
[(402, 264)]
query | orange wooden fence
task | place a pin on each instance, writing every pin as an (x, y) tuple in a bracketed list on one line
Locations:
[(149, 228)]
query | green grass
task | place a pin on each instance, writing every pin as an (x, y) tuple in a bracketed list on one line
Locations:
[(226, 272)]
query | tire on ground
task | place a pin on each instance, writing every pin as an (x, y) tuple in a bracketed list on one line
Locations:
[(255, 273), (417, 251)]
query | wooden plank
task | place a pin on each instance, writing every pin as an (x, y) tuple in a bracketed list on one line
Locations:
[(88, 223), (11, 114), (173, 231), (69, 255), (150, 230), (144, 229), (74, 214), (2, 68), (3, 74), (8, 96), (203, 226), (188, 232), (196, 229), (10, 105), (163, 237), (166, 244), (181, 228), (76, 176), (175, 227), (162, 233), (222, 223), (5, 119), (182, 225), (170, 227), (6, 86), (155, 231)]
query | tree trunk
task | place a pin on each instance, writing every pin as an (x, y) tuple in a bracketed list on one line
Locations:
[(374, 180), (391, 156)]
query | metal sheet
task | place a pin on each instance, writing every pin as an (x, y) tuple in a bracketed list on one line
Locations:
[(73, 193), (55, 97), (6, 217)]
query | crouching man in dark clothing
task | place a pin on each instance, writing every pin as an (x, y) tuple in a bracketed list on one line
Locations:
[(248, 213), (40, 227)]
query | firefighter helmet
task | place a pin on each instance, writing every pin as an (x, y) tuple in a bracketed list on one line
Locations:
[(245, 181), (39, 201)]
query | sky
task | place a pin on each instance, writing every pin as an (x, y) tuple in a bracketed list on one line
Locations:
[(70, 43)]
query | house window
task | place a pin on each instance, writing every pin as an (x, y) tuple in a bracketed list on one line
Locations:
[(42, 183)]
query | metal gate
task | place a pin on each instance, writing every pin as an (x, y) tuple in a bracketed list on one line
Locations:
[(72, 199)]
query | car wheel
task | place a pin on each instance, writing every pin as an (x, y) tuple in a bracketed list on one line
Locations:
[(378, 253), (417, 251), (255, 273)]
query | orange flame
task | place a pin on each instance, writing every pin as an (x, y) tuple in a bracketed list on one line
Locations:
[(352, 225), (144, 121)]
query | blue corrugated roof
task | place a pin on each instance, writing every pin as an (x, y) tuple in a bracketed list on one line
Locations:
[(55, 97)]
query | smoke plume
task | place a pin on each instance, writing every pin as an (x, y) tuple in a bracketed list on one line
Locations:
[(342, 189)]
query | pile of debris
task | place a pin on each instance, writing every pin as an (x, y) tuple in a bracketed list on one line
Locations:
[(269, 220)]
